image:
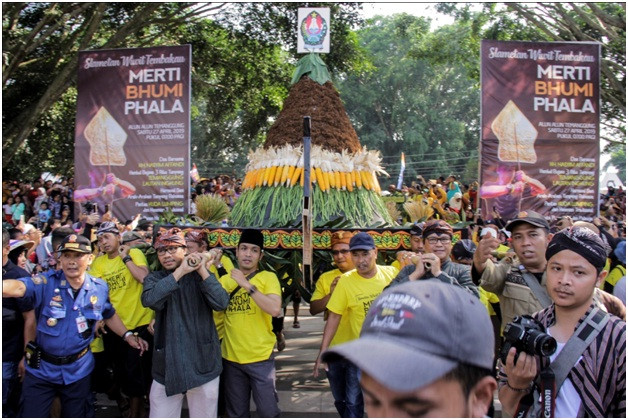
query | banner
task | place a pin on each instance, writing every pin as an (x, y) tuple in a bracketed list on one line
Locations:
[(132, 139), (313, 30), (292, 239), (540, 129)]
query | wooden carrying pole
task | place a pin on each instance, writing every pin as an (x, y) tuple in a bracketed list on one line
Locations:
[(307, 205)]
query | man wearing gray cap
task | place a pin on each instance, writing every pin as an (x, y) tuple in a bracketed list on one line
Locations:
[(416, 362)]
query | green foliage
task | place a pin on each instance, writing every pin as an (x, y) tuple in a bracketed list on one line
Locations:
[(312, 66), (242, 56), (211, 208), (618, 160), (589, 22), (418, 97)]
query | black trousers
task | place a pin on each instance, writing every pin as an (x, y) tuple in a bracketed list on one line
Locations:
[(38, 394)]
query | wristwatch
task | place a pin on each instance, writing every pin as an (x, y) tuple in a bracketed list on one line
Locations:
[(126, 259), (252, 290), (126, 334)]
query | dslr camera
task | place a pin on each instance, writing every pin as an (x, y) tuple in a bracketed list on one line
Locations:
[(526, 334)]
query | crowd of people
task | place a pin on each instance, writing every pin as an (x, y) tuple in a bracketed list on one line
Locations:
[(224, 186), (84, 312)]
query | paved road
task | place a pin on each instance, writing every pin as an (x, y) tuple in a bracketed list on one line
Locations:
[(300, 394)]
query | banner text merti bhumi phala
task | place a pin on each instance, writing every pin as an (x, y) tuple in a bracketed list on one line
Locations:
[(132, 141), (540, 129)]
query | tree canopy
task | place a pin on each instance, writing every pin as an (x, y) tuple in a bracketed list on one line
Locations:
[(418, 98), (240, 75), (591, 22), (407, 87)]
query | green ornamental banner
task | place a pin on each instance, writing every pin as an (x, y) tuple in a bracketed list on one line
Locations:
[(291, 239)]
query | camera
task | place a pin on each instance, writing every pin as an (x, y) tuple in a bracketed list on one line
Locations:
[(89, 207), (526, 334)]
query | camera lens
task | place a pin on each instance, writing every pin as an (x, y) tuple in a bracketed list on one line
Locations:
[(545, 345)]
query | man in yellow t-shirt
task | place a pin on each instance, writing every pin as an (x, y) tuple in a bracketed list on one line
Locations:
[(124, 270), (248, 339), (327, 281), (350, 302)]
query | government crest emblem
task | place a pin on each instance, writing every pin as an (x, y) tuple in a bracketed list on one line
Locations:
[(313, 29)]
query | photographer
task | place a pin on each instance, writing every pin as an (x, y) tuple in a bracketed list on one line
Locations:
[(585, 376)]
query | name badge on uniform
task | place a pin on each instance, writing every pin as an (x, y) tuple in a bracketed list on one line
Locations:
[(81, 323)]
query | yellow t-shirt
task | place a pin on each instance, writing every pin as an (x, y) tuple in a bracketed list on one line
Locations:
[(323, 284), (247, 335), (97, 345), (352, 298), (226, 263), (124, 291), (487, 298), (614, 276)]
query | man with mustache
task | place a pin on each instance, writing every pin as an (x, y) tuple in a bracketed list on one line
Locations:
[(327, 281), (68, 303), (435, 261), (186, 359), (347, 307), (521, 283), (586, 375)]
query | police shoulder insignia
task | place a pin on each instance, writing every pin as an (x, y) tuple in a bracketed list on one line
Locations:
[(39, 279)]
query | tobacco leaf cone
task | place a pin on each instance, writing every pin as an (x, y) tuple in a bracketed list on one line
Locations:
[(343, 173), (211, 208)]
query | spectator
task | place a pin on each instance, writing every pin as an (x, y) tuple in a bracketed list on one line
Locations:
[(17, 321), (8, 209), (416, 362), (17, 209), (521, 283), (17, 254), (44, 216)]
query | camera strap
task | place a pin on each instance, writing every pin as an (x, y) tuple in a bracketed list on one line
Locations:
[(578, 343), (249, 277), (552, 377), (537, 289)]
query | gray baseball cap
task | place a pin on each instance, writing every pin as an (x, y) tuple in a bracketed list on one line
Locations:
[(417, 332)]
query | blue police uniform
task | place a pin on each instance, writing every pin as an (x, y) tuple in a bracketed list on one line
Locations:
[(65, 328)]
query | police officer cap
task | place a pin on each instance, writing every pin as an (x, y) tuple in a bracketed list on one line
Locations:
[(77, 243)]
